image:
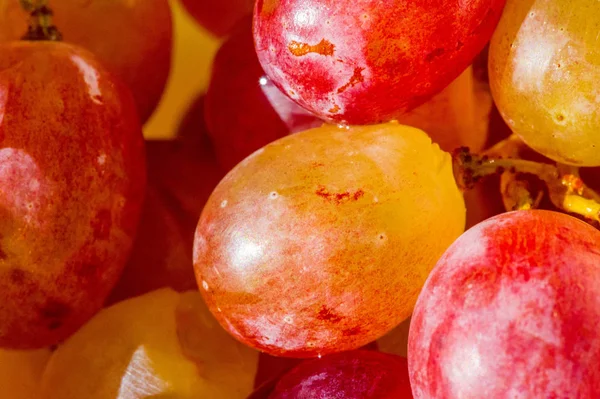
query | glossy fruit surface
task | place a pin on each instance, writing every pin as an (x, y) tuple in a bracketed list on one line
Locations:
[(348, 375), (159, 345), (21, 371), (181, 174), (219, 17), (458, 116), (511, 310), (369, 61), (72, 179), (132, 38), (244, 110), (321, 241), (544, 73)]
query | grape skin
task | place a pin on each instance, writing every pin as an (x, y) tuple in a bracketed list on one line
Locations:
[(511, 310), (320, 241), (133, 39), (369, 61), (161, 344), (544, 73), (72, 180), (349, 375)]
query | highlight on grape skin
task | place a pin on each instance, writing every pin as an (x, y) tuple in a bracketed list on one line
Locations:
[(72, 177), (511, 310), (544, 73), (337, 252), (320, 241), (161, 344), (395, 56)]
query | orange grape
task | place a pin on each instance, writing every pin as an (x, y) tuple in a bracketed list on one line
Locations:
[(21, 371), (321, 241)]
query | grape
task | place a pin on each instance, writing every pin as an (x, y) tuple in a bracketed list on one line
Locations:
[(544, 73), (321, 241), (20, 373), (396, 341), (181, 177), (511, 310), (219, 17), (132, 38), (272, 367), (458, 116), (244, 110), (162, 344), (72, 177), (348, 375), (369, 61)]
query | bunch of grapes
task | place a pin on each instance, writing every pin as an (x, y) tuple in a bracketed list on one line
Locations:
[(302, 234)]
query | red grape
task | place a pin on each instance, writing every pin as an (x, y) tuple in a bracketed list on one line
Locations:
[(321, 241), (133, 39), (72, 177), (369, 61), (182, 173), (219, 17), (511, 310), (348, 375), (244, 109)]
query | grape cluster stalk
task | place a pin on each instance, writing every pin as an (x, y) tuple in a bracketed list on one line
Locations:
[(566, 189), (41, 26)]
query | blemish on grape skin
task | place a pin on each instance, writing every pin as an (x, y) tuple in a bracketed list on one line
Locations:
[(339, 198), (273, 195), (355, 79), (17, 276), (101, 224), (326, 314), (54, 311), (324, 47), (205, 285), (351, 331), (438, 52), (335, 109), (223, 203)]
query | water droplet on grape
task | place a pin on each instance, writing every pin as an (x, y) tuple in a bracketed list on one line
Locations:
[(205, 285), (263, 81), (224, 204)]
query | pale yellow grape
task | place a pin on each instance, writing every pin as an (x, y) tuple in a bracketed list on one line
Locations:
[(20, 373), (162, 344), (545, 74)]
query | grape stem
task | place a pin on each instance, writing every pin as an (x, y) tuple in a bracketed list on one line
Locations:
[(41, 26), (566, 189)]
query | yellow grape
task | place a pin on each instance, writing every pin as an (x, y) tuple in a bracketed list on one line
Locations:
[(544, 73), (20, 373), (321, 241), (162, 344)]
